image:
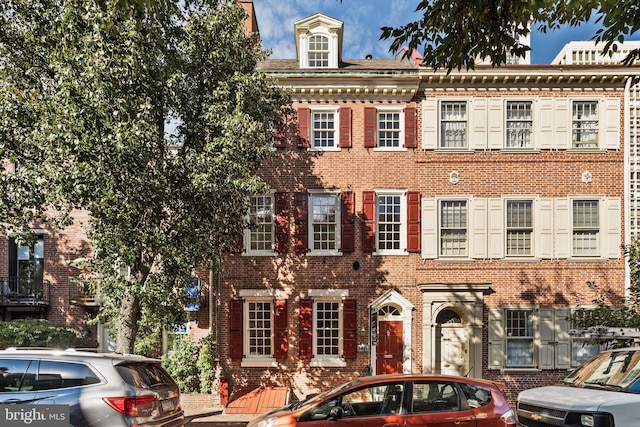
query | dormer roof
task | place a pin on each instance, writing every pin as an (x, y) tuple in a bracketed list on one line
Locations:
[(322, 26)]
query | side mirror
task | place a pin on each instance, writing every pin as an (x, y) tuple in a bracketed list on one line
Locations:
[(336, 413)]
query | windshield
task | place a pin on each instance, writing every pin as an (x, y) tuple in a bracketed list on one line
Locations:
[(322, 395), (616, 370)]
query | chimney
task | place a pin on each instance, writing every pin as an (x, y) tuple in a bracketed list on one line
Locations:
[(251, 24)]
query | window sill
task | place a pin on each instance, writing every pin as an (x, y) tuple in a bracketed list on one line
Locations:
[(586, 150), (390, 149), (526, 150), (454, 260), (259, 253), (514, 259), (324, 253), (328, 363), (520, 370), (391, 253), (267, 362), (453, 151), (587, 259), (336, 149)]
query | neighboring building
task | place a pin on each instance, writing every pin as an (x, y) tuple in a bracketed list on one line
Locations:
[(421, 221)]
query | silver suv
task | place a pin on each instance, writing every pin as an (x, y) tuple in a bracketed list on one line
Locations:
[(100, 389)]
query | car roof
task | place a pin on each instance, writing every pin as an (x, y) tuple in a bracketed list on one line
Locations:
[(422, 377), (73, 354)]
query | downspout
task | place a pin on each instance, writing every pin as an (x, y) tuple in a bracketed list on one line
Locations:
[(627, 182)]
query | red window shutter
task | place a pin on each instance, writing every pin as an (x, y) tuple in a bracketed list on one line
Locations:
[(413, 221), (345, 127), (347, 228), (282, 222), (369, 221), (235, 329), (304, 117), (305, 329), (280, 134), (410, 127), (281, 337), (370, 127), (301, 223), (350, 329)]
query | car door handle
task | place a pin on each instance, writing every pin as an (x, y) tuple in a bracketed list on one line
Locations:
[(391, 425), (465, 420)]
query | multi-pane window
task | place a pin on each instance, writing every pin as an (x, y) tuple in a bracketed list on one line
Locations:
[(584, 124), (586, 227), (519, 227), (388, 129), (323, 129), (318, 51), (519, 124), (453, 228), (325, 211), (453, 124), (259, 328), (519, 335), (261, 224), (389, 222), (327, 328)]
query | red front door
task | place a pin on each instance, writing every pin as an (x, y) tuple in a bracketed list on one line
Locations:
[(389, 348)]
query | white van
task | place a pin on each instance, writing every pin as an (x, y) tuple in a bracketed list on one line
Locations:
[(603, 392)]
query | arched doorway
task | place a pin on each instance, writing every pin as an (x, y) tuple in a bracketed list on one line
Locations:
[(451, 344), (391, 316)]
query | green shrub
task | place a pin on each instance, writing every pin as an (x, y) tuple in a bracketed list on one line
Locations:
[(206, 364), (180, 361), (37, 333)]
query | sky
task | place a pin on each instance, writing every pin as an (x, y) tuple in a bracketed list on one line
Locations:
[(363, 20)]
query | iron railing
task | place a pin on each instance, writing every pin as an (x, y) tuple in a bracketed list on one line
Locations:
[(84, 291), (16, 291)]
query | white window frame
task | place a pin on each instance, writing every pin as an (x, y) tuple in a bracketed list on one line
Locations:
[(402, 223), (336, 129), (442, 121), (520, 229), (249, 232), (596, 253), (400, 131), (522, 125), (328, 296), (257, 295), (322, 55), (532, 319), (578, 122), (441, 229), (313, 196)]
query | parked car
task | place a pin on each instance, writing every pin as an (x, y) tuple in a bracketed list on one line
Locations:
[(400, 400), (101, 390), (603, 392)]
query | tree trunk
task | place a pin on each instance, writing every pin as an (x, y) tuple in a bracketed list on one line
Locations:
[(127, 322)]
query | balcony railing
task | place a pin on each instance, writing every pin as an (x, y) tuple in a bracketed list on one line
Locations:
[(15, 291), (84, 292)]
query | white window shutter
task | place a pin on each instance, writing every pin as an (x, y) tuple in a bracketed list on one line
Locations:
[(543, 124), (611, 247), (496, 124), (496, 340), (610, 124), (429, 124), (429, 226), (547, 344), (478, 228), (563, 340), (543, 223), (496, 228), (563, 228), (478, 121), (562, 124)]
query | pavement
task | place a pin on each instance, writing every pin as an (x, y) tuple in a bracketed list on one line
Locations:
[(213, 416)]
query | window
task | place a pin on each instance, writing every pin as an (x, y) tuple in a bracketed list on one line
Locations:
[(519, 124), (259, 328), (584, 124), (390, 222), (325, 220), (389, 135), (54, 375), (453, 124), (26, 269), (318, 51), (259, 235), (519, 330), (327, 327), (519, 227), (435, 396), (15, 376), (453, 228), (586, 227), (323, 129)]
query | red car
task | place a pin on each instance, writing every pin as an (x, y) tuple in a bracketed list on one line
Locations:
[(405, 400)]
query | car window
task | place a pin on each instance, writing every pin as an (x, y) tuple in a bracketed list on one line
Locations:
[(15, 375), (144, 375), (435, 396), (476, 396), (54, 375)]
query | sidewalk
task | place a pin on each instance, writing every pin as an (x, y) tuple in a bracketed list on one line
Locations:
[(199, 413)]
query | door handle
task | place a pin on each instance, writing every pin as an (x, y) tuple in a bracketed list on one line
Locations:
[(461, 420), (391, 425)]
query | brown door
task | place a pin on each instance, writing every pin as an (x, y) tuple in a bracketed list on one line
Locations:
[(389, 348)]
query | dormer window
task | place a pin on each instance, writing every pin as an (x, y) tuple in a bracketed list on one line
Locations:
[(318, 51), (319, 42)]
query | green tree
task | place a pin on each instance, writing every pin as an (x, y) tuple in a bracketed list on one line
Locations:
[(86, 98), (454, 34)]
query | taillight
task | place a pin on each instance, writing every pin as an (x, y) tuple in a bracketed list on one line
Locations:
[(132, 406), (508, 418)]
